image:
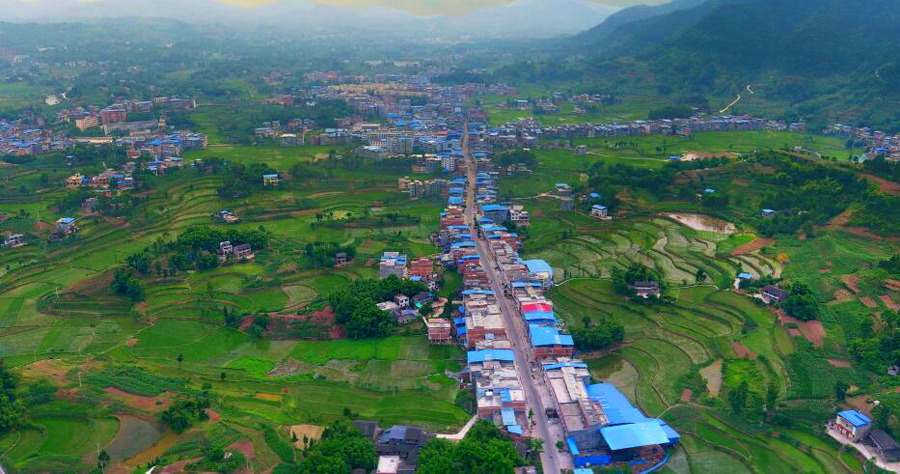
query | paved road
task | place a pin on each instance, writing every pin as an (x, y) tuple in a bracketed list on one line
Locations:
[(536, 394)]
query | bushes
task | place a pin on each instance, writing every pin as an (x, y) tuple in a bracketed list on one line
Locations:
[(598, 337), (134, 380), (182, 414)]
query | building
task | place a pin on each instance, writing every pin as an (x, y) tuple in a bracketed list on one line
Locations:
[(85, 123), (581, 150), (14, 241), (495, 212), (599, 211), (392, 263), (113, 114), (884, 445), (388, 465), (243, 251), (390, 307), (224, 251), (340, 258), (438, 331), (519, 216), (66, 225), (403, 442), (402, 301), (853, 424), (772, 294), (540, 271), (270, 179), (646, 288), (549, 342)]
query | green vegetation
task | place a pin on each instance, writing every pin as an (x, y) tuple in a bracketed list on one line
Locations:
[(484, 449)]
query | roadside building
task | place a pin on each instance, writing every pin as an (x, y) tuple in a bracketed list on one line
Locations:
[(853, 424), (772, 294)]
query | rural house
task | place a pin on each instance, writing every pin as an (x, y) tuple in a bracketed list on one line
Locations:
[(243, 251), (270, 179), (852, 424), (772, 294), (646, 288), (885, 446), (402, 300), (599, 211)]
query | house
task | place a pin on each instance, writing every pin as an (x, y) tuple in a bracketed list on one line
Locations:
[(772, 294), (402, 301), (885, 446), (407, 316), (646, 288), (744, 276), (438, 331), (581, 150), (270, 180), (767, 213), (340, 258), (390, 307), (75, 180), (368, 428), (852, 424), (243, 251), (66, 225), (709, 191), (422, 299), (402, 441), (89, 205), (599, 211), (14, 241), (225, 249)]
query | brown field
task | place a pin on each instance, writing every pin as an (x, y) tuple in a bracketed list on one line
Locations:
[(886, 299), (868, 302), (742, 351), (753, 246), (839, 363), (852, 282), (713, 376), (140, 402), (312, 432), (813, 331)]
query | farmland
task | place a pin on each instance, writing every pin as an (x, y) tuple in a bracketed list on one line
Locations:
[(121, 363)]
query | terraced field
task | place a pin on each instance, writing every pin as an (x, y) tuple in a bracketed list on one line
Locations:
[(675, 251)]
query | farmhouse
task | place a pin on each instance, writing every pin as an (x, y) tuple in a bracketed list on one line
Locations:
[(390, 307), (852, 424), (422, 299), (407, 316), (340, 258), (599, 211), (392, 263), (541, 272), (14, 241), (66, 225), (402, 301), (270, 179), (243, 251), (645, 288), (403, 442), (772, 294)]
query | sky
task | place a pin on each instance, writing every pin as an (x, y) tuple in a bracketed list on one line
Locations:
[(416, 7)]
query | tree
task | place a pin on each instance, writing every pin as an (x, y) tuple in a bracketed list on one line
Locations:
[(700, 276), (840, 390), (771, 398), (180, 359), (102, 459), (737, 397)]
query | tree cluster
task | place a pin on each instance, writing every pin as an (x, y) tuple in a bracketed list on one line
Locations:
[(623, 279), (882, 350), (598, 336), (11, 409), (801, 303), (322, 254), (341, 449), (355, 306), (516, 157), (241, 180), (484, 449), (182, 414), (124, 283)]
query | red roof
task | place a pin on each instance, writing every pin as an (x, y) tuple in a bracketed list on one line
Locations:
[(529, 307)]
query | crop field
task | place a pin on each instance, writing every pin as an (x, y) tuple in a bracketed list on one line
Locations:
[(59, 321)]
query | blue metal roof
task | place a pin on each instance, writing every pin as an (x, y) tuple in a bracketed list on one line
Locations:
[(670, 433), (745, 276), (617, 408), (509, 416), (539, 266), (559, 365), (493, 208), (490, 354), (548, 336), (634, 435), (534, 316), (855, 418)]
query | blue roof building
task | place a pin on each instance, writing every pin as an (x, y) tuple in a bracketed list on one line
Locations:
[(487, 355), (544, 336)]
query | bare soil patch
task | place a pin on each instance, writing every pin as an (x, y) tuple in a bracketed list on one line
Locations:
[(245, 447), (868, 302), (886, 299), (861, 232), (742, 351), (839, 363), (140, 402), (813, 331), (713, 376), (42, 226), (860, 402), (852, 282), (131, 342), (893, 285), (312, 432), (886, 186), (686, 395), (794, 332), (213, 416), (753, 246), (842, 295), (703, 223), (824, 270)]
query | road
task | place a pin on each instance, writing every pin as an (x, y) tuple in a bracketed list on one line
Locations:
[(536, 394)]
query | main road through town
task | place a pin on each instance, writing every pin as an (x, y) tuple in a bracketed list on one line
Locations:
[(537, 394)]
